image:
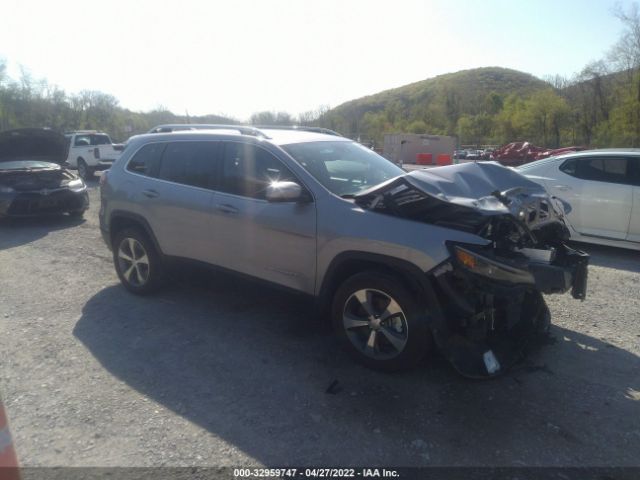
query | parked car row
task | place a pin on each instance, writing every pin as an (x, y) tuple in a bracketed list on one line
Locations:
[(454, 258), (474, 154), (403, 261)]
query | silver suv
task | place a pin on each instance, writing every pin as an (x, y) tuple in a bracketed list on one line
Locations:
[(456, 256)]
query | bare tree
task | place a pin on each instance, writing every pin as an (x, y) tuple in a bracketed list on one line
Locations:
[(625, 55)]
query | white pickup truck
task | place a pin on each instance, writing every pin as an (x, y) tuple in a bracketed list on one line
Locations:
[(91, 151)]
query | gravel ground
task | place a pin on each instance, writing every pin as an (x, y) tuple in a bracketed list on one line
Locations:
[(219, 371)]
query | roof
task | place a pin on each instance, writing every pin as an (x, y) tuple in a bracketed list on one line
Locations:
[(583, 153), (277, 136)]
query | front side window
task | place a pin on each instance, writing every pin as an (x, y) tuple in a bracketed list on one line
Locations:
[(82, 141), (247, 170), (146, 161), (190, 163), (344, 168)]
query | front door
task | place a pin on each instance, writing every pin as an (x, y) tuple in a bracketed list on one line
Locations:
[(272, 241)]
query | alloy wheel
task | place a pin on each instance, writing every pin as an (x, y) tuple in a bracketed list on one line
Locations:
[(133, 261), (375, 324)]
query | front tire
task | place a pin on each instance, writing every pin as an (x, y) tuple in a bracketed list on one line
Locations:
[(84, 171), (138, 264), (380, 323)]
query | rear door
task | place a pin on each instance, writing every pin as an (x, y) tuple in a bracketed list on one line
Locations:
[(599, 192), (180, 199), (272, 241)]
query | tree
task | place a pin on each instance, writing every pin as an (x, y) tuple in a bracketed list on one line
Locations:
[(546, 114), (417, 126), (271, 118), (626, 56)]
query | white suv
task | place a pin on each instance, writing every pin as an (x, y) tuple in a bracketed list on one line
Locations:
[(91, 151)]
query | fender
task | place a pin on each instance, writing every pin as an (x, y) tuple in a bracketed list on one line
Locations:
[(419, 281)]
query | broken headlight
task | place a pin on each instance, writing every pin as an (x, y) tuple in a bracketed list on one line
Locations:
[(489, 268), (76, 185)]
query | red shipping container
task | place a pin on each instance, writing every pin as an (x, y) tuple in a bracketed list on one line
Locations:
[(443, 159), (424, 159)]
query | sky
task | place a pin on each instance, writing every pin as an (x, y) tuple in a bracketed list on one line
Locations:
[(239, 57)]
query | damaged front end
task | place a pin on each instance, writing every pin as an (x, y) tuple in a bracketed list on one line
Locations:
[(489, 297)]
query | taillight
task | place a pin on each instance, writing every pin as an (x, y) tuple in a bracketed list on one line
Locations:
[(96, 152)]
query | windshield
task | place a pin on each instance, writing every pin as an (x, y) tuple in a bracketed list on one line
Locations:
[(344, 168)]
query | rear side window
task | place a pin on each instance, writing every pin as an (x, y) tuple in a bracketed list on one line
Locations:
[(190, 163), (146, 161), (100, 140), (603, 169), (600, 169), (569, 167), (247, 170), (634, 171)]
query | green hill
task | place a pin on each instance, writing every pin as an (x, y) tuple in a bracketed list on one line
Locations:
[(435, 104)]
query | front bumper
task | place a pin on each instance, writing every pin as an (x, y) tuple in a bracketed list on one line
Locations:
[(568, 272), (486, 326), (44, 202)]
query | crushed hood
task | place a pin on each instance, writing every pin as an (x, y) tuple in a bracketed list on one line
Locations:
[(467, 197), (33, 144)]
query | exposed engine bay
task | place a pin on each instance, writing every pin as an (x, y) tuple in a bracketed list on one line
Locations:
[(489, 297), (23, 180), (33, 180)]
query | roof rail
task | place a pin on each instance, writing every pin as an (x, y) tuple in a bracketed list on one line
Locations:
[(302, 128), (174, 127), (80, 131)]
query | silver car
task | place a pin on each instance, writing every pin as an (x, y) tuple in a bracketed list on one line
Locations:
[(455, 257)]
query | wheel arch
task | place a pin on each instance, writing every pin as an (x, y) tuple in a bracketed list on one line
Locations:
[(347, 264), (120, 220)]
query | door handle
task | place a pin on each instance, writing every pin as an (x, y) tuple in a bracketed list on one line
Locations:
[(150, 193), (228, 209), (564, 188)]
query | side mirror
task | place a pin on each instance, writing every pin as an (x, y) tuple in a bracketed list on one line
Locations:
[(284, 192), (118, 147)]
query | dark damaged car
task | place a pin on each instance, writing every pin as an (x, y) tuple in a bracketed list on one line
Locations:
[(33, 180), (457, 256)]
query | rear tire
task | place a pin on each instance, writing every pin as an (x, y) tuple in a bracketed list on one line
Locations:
[(138, 264), (84, 171), (380, 323)]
